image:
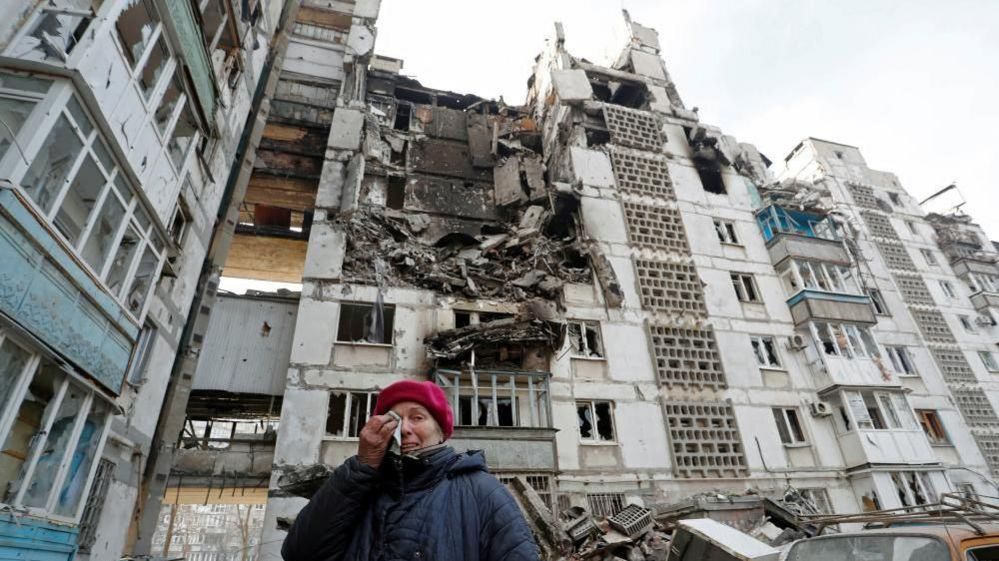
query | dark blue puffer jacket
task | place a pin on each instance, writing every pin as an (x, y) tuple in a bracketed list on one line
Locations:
[(443, 507)]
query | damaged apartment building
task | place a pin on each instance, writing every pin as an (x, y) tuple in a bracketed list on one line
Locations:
[(623, 304)]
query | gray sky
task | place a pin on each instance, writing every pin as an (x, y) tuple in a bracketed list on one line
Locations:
[(913, 83)]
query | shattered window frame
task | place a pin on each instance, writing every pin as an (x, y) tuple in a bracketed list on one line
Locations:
[(844, 340), (933, 427), (357, 307), (60, 107), (348, 430), (579, 341), (74, 20), (901, 360), (727, 233), (790, 429), (602, 429), (764, 348), (56, 438), (746, 289), (989, 361), (818, 497)]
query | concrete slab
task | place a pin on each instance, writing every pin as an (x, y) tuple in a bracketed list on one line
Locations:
[(591, 168), (572, 85), (345, 130)]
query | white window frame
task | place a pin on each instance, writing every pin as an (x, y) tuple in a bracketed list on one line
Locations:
[(784, 415), (878, 301), (746, 289), (948, 289), (79, 50), (370, 397), (8, 414), (594, 437), (53, 106), (727, 233), (965, 322), (584, 350), (758, 344), (989, 361), (848, 340), (929, 257), (819, 498), (901, 361), (836, 278)]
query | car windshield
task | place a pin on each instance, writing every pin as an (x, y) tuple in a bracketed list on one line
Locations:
[(987, 553), (870, 548)]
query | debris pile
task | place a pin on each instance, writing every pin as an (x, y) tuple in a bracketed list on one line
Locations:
[(523, 329), (511, 261)]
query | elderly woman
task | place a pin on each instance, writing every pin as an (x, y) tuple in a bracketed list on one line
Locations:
[(427, 503)]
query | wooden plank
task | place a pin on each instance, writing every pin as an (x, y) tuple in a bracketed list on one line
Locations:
[(266, 258), (282, 198), (196, 496), (324, 18)]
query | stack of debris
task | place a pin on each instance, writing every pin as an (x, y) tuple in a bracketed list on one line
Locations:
[(512, 261)]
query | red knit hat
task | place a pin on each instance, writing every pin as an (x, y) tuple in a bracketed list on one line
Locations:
[(427, 394)]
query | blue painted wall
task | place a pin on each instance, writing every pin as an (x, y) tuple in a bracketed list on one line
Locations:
[(31, 539), (48, 293)]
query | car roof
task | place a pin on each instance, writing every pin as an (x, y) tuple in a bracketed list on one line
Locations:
[(953, 533)]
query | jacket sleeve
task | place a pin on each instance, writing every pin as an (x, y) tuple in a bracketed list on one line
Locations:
[(505, 534), (323, 528)]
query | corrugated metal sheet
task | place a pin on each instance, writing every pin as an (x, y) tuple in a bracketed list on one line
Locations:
[(248, 345)]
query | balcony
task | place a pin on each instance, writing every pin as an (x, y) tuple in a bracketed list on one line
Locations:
[(506, 413), (830, 371), (878, 427), (817, 305), (983, 300)]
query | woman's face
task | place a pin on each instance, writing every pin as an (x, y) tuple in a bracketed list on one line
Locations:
[(419, 429)]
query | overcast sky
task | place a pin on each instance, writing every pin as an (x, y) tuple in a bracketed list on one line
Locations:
[(913, 83)]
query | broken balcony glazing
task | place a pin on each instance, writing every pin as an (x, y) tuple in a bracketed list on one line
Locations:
[(774, 220)]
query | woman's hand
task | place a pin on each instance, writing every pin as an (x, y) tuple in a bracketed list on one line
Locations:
[(375, 439)]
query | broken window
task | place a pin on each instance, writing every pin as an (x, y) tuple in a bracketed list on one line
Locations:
[(765, 351), (138, 26), (596, 421), (52, 164), (818, 498), (365, 323), (901, 361), (966, 323), (878, 300), (845, 340), (56, 30), (711, 179), (929, 420), (402, 116), (895, 198), (745, 287), (948, 289), (178, 225), (348, 411), (182, 137), (989, 361), (153, 67), (140, 354), (488, 399), (585, 339), (167, 105), (52, 417), (462, 319), (788, 425), (726, 232), (95, 505), (19, 95)]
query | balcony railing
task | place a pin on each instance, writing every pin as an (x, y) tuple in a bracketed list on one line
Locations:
[(494, 398), (774, 220)]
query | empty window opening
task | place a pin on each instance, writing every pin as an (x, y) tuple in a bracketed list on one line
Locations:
[(178, 226), (462, 319), (765, 351), (895, 199), (488, 413), (818, 498), (745, 287), (932, 426), (136, 26), (596, 421), (396, 196), (585, 339), (365, 323), (880, 410), (789, 426), (347, 412), (711, 179), (726, 232), (402, 114), (845, 340)]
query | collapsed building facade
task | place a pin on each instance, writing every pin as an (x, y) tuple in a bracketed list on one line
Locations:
[(622, 303)]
